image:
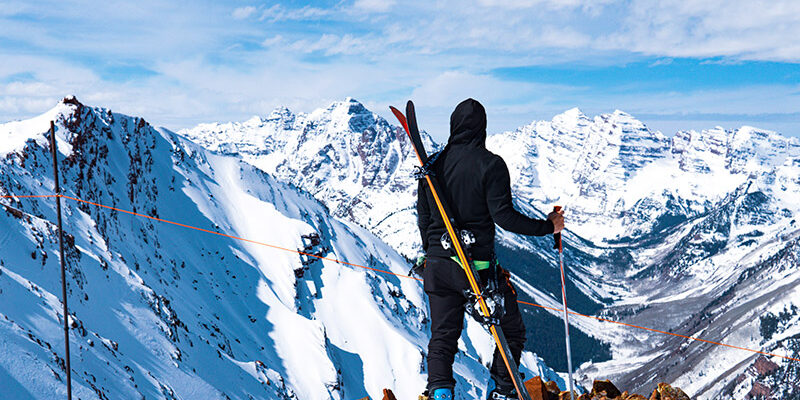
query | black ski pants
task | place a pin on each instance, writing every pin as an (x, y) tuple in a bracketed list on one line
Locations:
[(444, 282)]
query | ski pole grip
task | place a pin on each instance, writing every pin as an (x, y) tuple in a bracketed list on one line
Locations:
[(557, 236)]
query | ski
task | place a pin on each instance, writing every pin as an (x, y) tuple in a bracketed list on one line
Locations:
[(409, 123)]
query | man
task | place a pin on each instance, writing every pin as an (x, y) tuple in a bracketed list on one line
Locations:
[(476, 185)]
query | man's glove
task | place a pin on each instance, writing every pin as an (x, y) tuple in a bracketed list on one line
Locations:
[(557, 217), (418, 267)]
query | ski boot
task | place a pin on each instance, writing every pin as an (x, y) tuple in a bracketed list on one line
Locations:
[(497, 393), (442, 394), (438, 394)]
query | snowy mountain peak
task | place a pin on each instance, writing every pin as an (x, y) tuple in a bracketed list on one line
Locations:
[(573, 113), (617, 127), (71, 99), (571, 118), (14, 135), (349, 106), (281, 113), (620, 115), (743, 150)]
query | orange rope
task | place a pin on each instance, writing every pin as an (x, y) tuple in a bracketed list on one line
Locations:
[(402, 275), (659, 331), (237, 238), (29, 196)]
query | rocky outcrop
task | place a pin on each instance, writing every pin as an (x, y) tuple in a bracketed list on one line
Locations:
[(601, 390)]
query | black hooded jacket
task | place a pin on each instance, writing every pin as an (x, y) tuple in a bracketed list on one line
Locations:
[(476, 186)]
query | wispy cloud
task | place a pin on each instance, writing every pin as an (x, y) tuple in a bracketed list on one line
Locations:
[(279, 13), (243, 12), (375, 5), (748, 30)]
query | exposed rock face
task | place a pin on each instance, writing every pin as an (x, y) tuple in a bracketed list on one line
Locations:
[(763, 366), (759, 391), (766, 379), (666, 392), (539, 390), (605, 388)]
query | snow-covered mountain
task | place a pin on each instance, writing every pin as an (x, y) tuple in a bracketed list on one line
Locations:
[(622, 181), (349, 158), (694, 233), (163, 311)]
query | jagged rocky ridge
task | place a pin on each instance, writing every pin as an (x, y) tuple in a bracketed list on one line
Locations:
[(694, 233), (158, 310)]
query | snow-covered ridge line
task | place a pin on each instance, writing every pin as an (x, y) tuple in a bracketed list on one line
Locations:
[(602, 167)]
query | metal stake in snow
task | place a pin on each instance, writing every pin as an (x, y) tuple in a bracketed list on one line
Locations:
[(61, 248), (560, 248)]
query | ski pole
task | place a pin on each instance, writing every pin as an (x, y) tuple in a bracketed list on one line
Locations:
[(560, 248)]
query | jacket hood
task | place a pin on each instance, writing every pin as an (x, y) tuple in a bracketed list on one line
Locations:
[(468, 124)]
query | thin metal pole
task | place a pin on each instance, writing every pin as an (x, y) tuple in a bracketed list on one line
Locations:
[(566, 323), (560, 247), (54, 152)]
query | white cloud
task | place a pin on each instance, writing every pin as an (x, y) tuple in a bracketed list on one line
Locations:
[(563, 37), (451, 87), (278, 13), (375, 5), (556, 4), (508, 104), (28, 89), (740, 29), (330, 44), (243, 12), (272, 41), (10, 9), (113, 31)]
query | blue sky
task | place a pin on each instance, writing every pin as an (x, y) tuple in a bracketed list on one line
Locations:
[(674, 64)]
